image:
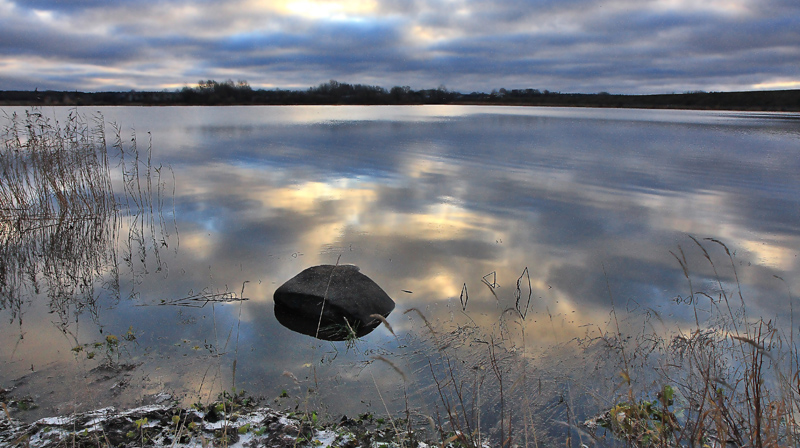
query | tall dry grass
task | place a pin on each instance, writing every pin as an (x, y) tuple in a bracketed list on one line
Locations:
[(723, 376), (63, 227)]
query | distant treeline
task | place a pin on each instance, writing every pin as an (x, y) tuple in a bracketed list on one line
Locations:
[(213, 93)]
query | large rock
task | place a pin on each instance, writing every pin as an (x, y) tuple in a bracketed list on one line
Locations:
[(343, 296)]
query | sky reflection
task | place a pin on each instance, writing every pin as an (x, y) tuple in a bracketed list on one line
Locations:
[(428, 201)]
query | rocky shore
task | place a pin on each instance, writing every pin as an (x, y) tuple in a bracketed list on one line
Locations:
[(231, 421)]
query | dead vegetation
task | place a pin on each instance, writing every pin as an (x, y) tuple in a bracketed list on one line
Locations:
[(75, 212), (728, 379), (722, 377)]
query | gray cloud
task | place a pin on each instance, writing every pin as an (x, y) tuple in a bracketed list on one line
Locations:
[(579, 45), (60, 47)]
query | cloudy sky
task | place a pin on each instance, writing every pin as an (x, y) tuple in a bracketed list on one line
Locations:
[(620, 46)]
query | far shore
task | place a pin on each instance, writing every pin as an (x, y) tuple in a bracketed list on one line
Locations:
[(334, 93)]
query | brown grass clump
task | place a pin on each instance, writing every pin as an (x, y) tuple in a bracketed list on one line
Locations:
[(731, 380)]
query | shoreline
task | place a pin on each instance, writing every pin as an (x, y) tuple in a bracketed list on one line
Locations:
[(787, 101), (233, 420), (787, 113)]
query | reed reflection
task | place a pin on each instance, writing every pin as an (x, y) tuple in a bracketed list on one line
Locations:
[(66, 235)]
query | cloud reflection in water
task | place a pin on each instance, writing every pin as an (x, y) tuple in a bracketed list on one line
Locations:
[(427, 200)]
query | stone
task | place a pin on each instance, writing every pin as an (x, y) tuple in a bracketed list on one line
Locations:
[(343, 296)]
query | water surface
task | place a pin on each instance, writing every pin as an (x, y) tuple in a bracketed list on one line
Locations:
[(450, 209)]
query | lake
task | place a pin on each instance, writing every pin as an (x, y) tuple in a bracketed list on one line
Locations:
[(534, 231)]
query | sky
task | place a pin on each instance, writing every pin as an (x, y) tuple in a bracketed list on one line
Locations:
[(617, 46)]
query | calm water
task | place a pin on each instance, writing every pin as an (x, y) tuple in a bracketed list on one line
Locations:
[(429, 202)]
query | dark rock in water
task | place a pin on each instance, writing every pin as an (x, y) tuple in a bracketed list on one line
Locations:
[(350, 297)]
